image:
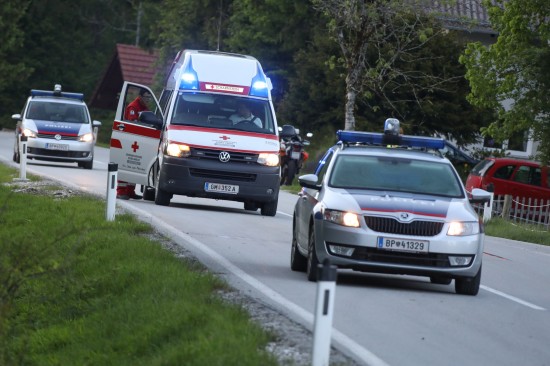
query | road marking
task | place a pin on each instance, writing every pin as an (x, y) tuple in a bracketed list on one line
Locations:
[(513, 298), (307, 317), (284, 213)]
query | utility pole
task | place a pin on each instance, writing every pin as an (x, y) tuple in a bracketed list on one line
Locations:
[(138, 26)]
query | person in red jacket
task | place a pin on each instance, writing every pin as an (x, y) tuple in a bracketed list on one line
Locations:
[(124, 189)]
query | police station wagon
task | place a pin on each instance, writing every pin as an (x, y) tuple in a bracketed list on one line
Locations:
[(384, 202)]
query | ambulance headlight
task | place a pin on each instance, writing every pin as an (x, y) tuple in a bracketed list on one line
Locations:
[(460, 228), (178, 150), (268, 159), (87, 137), (29, 133)]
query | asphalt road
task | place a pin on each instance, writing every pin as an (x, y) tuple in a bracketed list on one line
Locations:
[(378, 319)]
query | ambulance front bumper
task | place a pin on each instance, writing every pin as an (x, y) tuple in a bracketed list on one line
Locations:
[(213, 179)]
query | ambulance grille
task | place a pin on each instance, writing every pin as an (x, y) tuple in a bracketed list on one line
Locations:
[(235, 157), (216, 174), (392, 226), (49, 136)]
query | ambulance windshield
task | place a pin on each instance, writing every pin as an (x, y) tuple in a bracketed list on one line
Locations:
[(223, 111)]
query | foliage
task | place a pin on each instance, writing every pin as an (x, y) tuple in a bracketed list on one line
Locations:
[(514, 71), (76, 289), (502, 228)]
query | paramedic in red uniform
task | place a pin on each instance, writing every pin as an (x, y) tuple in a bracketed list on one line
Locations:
[(126, 190)]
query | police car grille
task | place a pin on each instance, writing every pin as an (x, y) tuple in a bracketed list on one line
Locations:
[(394, 257), (392, 226), (49, 136), (216, 174), (235, 157)]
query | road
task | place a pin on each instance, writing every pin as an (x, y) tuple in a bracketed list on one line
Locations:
[(378, 319)]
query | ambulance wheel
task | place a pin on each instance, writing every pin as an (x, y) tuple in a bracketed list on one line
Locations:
[(269, 208), (149, 194), (86, 164), (162, 198)]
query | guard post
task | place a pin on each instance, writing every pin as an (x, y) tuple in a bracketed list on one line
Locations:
[(324, 310), (111, 191), (23, 159)]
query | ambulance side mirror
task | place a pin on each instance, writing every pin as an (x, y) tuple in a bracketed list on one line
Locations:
[(149, 118)]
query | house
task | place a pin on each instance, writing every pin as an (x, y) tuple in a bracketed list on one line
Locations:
[(129, 63)]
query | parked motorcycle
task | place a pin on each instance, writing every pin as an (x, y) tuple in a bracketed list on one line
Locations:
[(292, 153)]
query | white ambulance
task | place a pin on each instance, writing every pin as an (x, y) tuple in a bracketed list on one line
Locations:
[(212, 134)]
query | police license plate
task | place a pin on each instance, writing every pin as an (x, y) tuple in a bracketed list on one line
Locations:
[(221, 188), (403, 245), (62, 147)]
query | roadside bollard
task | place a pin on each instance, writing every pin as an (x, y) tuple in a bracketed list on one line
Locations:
[(23, 160), (111, 191), (488, 206), (324, 310)]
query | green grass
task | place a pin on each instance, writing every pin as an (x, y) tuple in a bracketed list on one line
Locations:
[(517, 231), (78, 290)]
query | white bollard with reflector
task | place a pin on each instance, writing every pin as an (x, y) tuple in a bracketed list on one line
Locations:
[(23, 159), (111, 191), (324, 311)]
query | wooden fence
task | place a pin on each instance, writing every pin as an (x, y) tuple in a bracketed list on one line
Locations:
[(518, 209)]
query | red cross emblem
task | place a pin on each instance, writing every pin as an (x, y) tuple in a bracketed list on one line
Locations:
[(225, 138), (135, 146)]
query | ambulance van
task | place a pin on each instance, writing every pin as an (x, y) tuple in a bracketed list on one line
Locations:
[(212, 134)]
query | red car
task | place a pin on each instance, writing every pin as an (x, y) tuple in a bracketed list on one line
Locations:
[(516, 177)]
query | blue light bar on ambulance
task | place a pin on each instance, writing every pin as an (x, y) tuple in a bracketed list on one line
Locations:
[(374, 138), (49, 93), (189, 78), (259, 86)]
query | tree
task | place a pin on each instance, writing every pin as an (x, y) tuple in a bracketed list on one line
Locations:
[(514, 71), (374, 37)]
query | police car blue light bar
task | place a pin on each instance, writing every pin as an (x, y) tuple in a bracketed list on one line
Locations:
[(259, 86), (49, 93), (374, 138), (189, 78)]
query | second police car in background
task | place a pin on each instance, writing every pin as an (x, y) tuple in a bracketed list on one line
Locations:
[(58, 127), (384, 203)]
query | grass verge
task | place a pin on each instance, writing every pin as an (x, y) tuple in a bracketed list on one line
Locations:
[(78, 290)]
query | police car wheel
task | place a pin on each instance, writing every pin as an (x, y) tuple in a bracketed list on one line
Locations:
[(297, 261), (468, 286), (312, 260)]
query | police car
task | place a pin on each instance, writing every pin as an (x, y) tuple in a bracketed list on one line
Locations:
[(389, 203), (58, 127)]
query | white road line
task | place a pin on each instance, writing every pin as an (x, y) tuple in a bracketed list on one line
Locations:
[(344, 341), (513, 298)]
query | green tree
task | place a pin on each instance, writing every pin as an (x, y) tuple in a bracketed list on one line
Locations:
[(512, 76)]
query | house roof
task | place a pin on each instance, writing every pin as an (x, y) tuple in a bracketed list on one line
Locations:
[(129, 63)]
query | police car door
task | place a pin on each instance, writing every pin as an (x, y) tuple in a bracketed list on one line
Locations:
[(135, 139)]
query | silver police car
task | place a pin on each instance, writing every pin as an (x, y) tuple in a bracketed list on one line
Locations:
[(58, 127), (384, 202)]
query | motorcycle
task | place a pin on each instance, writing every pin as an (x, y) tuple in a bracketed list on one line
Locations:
[(292, 153)]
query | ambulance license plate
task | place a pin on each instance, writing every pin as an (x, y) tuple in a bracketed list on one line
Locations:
[(62, 147), (403, 245), (221, 188)]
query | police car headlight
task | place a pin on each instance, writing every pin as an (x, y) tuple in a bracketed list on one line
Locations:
[(178, 150), (268, 159), (87, 137), (343, 218), (29, 133), (459, 228)]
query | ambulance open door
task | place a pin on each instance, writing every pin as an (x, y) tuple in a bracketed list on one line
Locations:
[(135, 137)]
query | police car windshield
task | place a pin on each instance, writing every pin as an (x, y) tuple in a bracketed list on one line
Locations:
[(395, 174), (223, 111), (57, 112)]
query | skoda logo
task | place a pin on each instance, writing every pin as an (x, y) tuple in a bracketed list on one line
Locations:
[(57, 136), (404, 216), (224, 156)]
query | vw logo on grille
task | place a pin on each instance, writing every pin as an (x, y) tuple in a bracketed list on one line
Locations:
[(57, 136), (224, 156)]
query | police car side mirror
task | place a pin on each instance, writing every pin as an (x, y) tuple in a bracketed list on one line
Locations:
[(309, 181), (16, 116), (480, 196), (96, 123), (149, 118)]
